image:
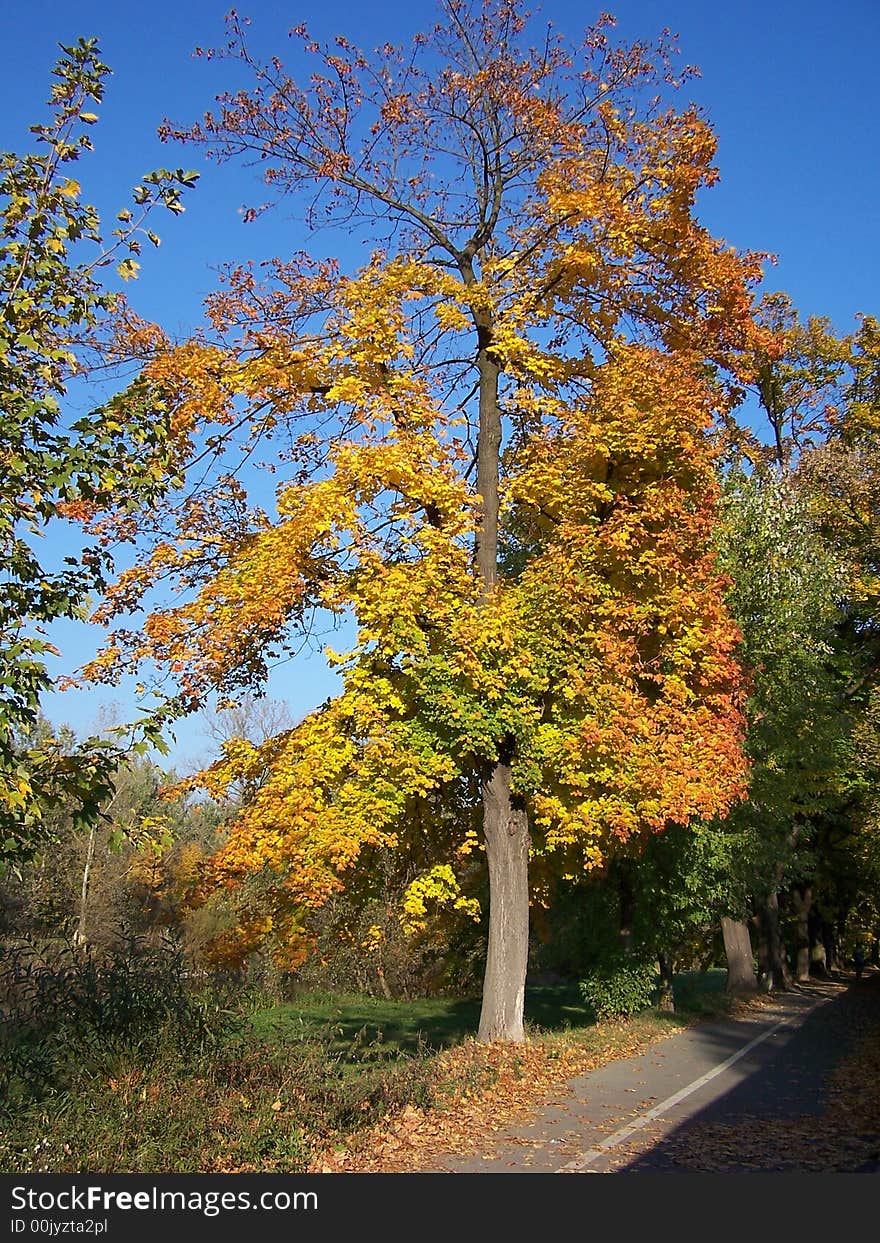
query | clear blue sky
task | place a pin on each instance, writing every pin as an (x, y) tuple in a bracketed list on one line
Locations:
[(792, 88)]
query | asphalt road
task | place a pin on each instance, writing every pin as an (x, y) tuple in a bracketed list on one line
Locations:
[(746, 1094)]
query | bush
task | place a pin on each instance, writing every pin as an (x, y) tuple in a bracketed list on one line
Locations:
[(620, 987), (349, 958), (116, 1063), (67, 1010)]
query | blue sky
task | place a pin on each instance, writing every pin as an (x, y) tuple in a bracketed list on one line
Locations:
[(791, 86)]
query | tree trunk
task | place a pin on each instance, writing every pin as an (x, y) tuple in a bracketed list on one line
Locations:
[(79, 936), (505, 821), (666, 998), (773, 970), (626, 910), (818, 961), (738, 951), (829, 943), (506, 830), (488, 458), (803, 897), (840, 938), (818, 951), (383, 984)]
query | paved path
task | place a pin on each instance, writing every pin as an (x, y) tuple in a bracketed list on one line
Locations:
[(632, 1115)]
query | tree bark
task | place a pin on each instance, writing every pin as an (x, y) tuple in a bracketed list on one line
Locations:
[(666, 999), (829, 943), (741, 976), (803, 897), (506, 830), (505, 821), (79, 936), (773, 970), (488, 464)]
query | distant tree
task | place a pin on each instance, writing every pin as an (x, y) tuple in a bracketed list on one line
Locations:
[(786, 595), (130, 873), (799, 373), (841, 480), (253, 720), (798, 544)]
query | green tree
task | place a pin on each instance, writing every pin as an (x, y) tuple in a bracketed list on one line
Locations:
[(801, 547), (52, 259), (787, 591), (841, 480)]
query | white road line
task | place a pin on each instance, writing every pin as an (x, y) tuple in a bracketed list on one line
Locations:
[(593, 1154)]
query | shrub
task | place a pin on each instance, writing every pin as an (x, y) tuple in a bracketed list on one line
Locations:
[(620, 987), (115, 1063), (362, 948), (249, 1107), (68, 1009)]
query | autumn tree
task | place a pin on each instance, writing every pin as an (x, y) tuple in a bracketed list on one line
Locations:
[(800, 372), (840, 477), (491, 449), (52, 259), (116, 877)]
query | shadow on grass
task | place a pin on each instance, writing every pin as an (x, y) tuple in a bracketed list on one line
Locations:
[(422, 1024), (701, 992), (362, 1026)]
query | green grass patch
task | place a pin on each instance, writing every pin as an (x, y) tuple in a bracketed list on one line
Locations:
[(354, 1024), (363, 1027), (701, 993), (163, 1082)]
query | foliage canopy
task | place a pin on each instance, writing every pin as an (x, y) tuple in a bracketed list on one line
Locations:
[(491, 447), (51, 260)]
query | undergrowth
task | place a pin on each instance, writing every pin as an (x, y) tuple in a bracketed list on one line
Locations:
[(122, 1063)]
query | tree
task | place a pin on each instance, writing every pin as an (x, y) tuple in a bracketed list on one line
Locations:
[(839, 478), (796, 544), (683, 883), (51, 260), (799, 372), (125, 875), (786, 596), (494, 441)]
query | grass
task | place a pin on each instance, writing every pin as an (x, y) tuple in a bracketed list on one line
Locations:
[(352, 1023), (473, 1086), (411, 1027), (284, 1083), (355, 1022), (702, 992)]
